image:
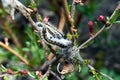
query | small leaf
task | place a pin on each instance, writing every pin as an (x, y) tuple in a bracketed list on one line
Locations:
[(114, 16), (46, 78), (117, 22), (32, 5), (76, 35), (6, 78), (31, 75), (3, 68), (26, 49), (69, 36)]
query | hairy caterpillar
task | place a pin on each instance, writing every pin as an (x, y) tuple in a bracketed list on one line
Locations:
[(52, 36)]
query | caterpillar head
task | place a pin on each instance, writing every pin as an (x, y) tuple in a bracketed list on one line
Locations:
[(39, 25)]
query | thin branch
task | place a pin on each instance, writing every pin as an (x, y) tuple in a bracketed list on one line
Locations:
[(91, 38), (45, 49), (55, 75), (47, 63), (56, 6), (10, 33), (47, 72), (105, 75), (2, 75), (14, 52), (61, 21), (24, 10), (69, 19), (78, 19), (73, 9)]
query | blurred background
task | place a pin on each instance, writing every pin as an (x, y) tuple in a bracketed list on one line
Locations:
[(103, 51)]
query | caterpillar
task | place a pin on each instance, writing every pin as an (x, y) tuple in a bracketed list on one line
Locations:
[(52, 36)]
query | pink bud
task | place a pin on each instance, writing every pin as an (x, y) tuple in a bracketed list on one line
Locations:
[(6, 40), (9, 71), (24, 72), (90, 24), (77, 1), (45, 19), (102, 19)]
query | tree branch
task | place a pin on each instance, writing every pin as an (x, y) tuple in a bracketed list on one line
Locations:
[(14, 52)]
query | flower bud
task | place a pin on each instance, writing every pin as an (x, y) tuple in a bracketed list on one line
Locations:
[(45, 19), (24, 72), (9, 71), (102, 19), (90, 24)]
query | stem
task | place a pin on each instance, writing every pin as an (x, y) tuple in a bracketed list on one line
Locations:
[(69, 19), (14, 52), (92, 68), (10, 33), (54, 74), (2, 75), (73, 9), (91, 38)]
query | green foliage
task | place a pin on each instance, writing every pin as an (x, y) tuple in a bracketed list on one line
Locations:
[(32, 5), (114, 16), (71, 76), (2, 12), (6, 78), (3, 69), (34, 52), (69, 36), (33, 47), (96, 74)]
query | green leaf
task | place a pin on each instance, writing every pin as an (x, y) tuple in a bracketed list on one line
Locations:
[(3, 68), (46, 78), (6, 78), (117, 22), (26, 49), (33, 5), (31, 75), (114, 16), (96, 74), (69, 36)]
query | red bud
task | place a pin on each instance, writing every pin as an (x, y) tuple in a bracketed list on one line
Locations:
[(24, 72), (9, 71), (90, 24), (102, 19)]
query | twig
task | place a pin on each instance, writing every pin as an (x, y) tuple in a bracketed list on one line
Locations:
[(69, 19), (24, 10), (78, 19), (55, 75), (10, 33), (14, 52), (61, 21), (56, 6), (2, 75), (47, 63), (91, 38), (73, 9), (47, 72), (105, 75), (45, 49)]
